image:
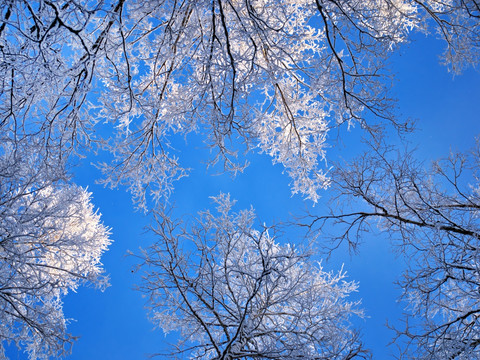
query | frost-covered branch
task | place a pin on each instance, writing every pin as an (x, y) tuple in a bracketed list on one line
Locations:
[(269, 76), (432, 217), (233, 292), (51, 240)]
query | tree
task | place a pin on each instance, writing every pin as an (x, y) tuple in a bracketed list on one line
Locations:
[(432, 215), (233, 292), (275, 76), (51, 241)]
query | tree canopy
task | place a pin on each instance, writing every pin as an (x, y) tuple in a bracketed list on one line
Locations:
[(233, 292), (272, 76), (125, 78), (51, 241)]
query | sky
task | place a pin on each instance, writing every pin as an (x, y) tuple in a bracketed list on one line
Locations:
[(114, 324)]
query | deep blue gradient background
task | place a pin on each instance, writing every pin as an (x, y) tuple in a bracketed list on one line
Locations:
[(114, 325)]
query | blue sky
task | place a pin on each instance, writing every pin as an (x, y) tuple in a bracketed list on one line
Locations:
[(114, 324)]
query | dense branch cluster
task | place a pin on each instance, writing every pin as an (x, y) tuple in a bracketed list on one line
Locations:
[(432, 215), (51, 241), (234, 292), (273, 75), (257, 71)]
